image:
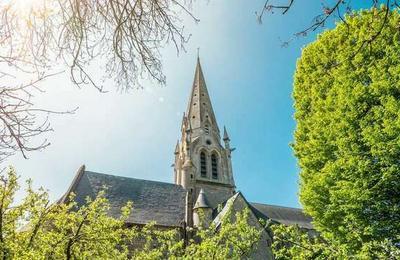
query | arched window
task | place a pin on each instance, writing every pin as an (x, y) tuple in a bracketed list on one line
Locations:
[(214, 166), (203, 164)]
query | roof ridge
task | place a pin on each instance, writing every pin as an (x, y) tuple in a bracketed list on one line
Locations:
[(276, 206), (125, 177)]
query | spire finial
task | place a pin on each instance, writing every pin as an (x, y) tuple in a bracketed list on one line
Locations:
[(198, 53)]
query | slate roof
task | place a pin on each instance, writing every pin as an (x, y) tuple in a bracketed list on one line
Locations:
[(161, 202), (283, 215)]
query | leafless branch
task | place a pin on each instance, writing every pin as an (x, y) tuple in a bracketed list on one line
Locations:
[(337, 11), (20, 121), (124, 37)]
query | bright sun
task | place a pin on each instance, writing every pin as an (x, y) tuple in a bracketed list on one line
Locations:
[(25, 6)]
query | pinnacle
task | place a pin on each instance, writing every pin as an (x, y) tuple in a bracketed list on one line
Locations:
[(201, 201), (226, 136), (177, 147)]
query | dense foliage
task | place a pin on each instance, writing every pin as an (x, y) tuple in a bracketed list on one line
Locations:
[(347, 140), (294, 243), (38, 229)]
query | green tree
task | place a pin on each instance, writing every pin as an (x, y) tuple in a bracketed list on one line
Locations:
[(235, 239), (38, 229), (294, 243), (347, 139)]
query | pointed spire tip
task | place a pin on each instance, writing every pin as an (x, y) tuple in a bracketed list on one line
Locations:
[(226, 136)]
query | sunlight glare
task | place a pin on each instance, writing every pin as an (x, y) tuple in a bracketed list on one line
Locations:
[(25, 7)]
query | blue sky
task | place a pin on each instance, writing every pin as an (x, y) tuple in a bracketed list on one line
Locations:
[(249, 77)]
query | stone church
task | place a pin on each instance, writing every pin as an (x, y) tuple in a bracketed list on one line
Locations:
[(203, 180)]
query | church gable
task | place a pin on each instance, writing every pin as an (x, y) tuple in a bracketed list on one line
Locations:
[(237, 203)]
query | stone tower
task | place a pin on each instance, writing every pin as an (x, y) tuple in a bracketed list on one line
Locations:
[(201, 161)]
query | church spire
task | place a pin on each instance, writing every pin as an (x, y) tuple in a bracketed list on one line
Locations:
[(201, 162), (200, 112)]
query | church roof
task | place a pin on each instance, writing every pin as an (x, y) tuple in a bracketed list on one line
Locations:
[(283, 215), (161, 202)]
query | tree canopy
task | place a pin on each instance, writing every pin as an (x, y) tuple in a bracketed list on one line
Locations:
[(347, 139)]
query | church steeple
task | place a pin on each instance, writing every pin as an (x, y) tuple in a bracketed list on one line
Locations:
[(201, 162), (200, 112)]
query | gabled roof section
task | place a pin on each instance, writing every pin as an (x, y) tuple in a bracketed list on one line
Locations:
[(283, 215), (200, 109), (161, 202), (225, 208), (278, 214)]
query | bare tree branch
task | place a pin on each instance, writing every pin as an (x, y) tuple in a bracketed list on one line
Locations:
[(21, 121), (336, 11), (124, 37)]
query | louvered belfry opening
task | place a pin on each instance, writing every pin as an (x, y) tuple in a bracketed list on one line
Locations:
[(203, 164), (214, 166)]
